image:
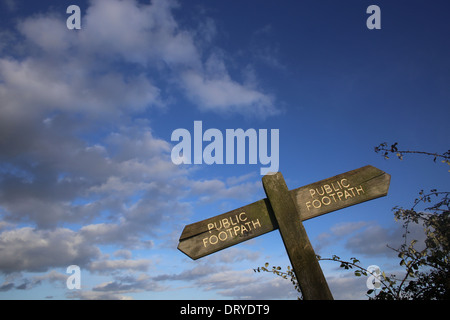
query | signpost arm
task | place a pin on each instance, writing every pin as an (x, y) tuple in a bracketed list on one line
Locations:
[(300, 251)]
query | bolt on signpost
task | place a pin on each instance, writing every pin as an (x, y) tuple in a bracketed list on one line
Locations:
[(285, 210)]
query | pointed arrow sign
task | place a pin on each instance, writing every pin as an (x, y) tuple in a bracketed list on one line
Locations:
[(211, 235)]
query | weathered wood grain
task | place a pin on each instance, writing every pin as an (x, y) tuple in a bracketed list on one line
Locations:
[(258, 220), (313, 200), (300, 251), (341, 191)]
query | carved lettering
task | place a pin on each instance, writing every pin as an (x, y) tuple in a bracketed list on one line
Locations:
[(226, 229), (332, 192)]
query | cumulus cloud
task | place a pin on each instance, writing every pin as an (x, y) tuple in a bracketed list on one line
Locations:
[(19, 282), (150, 37), (348, 287), (43, 184), (80, 166), (369, 238), (234, 284), (267, 289), (73, 84), (119, 288), (224, 95), (127, 264), (338, 232), (27, 249), (374, 239), (233, 255), (214, 189), (194, 273), (139, 33), (245, 284)]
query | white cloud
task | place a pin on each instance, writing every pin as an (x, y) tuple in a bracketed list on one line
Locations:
[(138, 33), (78, 70), (347, 286), (27, 249), (52, 276), (120, 287), (197, 272), (123, 253), (374, 239), (214, 189), (338, 232), (48, 32), (225, 95), (101, 233), (97, 295), (35, 87), (18, 281), (342, 229), (368, 238), (267, 289), (104, 177), (73, 150), (245, 284), (106, 266), (233, 255)]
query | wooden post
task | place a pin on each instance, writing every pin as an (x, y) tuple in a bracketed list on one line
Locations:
[(301, 254), (222, 231), (285, 210)]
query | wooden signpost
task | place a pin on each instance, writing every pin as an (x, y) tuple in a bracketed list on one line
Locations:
[(285, 210)]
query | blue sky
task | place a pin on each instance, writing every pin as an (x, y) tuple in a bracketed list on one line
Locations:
[(86, 118)]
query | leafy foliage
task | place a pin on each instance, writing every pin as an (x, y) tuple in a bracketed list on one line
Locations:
[(426, 271), (288, 274), (385, 151)]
